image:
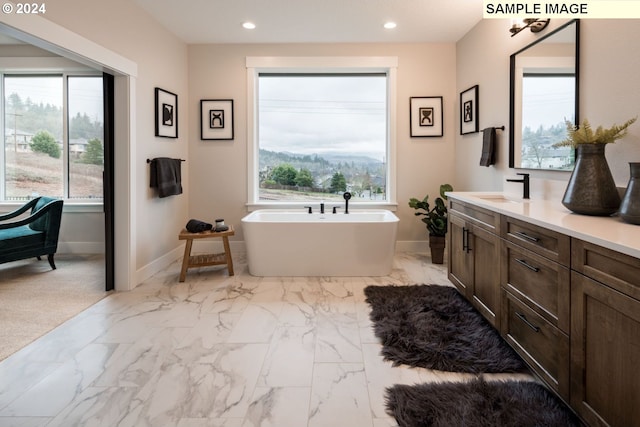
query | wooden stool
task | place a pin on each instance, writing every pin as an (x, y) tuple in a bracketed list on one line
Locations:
[(204, 260)]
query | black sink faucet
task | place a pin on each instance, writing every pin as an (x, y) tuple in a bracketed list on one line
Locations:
[(525, 184)]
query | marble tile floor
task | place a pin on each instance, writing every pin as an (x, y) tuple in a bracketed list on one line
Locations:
[(217, 351)]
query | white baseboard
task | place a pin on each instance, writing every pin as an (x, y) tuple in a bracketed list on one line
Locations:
[(158, 264)]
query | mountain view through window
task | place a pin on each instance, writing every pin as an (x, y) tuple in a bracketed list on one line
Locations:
[(321, 135)]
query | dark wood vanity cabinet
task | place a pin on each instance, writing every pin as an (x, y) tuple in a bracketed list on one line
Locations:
[(605, 336), (474, 254), (570, 308)]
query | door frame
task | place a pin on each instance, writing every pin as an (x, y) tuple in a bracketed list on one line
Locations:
[(47, 35)]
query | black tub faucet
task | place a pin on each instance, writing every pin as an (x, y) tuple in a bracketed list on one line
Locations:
[(346, 197), (525, 184), (309, 209), (321, 207)]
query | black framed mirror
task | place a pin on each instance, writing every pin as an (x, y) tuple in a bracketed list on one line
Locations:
[(544, 94)]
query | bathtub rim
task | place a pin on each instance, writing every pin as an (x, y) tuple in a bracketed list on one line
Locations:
[(249, 217)]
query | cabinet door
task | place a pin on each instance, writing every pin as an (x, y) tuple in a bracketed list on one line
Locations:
[(485, 248), (605, 354), (460, 255)]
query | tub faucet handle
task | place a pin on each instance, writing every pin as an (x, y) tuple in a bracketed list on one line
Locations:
[(309, 209)]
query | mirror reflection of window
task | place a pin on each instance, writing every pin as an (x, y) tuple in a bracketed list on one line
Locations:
[(548, 102)]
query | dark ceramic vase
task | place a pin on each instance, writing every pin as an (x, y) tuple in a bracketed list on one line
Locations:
[(591, 189), (630, 206)]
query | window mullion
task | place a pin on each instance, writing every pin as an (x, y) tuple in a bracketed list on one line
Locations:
[(65, 135), (3, 168)]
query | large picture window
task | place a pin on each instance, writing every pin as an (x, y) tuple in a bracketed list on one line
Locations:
[(53, 137), (319, 133)]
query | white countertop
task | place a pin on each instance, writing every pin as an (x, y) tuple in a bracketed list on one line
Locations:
[(609, 232)]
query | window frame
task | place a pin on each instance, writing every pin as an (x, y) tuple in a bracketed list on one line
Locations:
[(318, 66), (71, 205)]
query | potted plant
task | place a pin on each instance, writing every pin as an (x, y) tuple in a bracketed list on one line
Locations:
[(436, 220), (591, 189)]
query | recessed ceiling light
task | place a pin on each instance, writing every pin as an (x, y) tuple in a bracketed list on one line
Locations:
[(249, 25), (390, 25)]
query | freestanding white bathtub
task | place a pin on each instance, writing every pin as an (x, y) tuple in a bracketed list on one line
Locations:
[(291, 243)]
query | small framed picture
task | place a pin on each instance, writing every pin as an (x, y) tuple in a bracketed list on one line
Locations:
[(426, 116), (166, 114), (216, 119), (469, 111)]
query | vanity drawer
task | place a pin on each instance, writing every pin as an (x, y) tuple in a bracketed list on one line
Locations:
[(544, 347), (541, 283), (619, 271), (476, 215), (540, 240)]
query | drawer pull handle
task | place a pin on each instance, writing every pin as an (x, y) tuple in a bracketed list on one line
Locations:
[(526, 236), (465, 240), (526, 264), (529, 324)]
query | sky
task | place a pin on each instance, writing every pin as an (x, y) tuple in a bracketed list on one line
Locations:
[(549, 101), (85, 94), (323, 115)]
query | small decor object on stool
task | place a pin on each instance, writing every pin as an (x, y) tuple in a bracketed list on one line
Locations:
[(630, 206), (197, 226), (591, 189), (220, 225)]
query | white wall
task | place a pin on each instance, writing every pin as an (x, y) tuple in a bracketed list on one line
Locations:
[(609, 93), (218, 169)]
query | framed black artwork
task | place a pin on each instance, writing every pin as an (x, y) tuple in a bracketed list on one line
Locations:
[(166, 114), (216, 119), (469, 111), (426, 116)]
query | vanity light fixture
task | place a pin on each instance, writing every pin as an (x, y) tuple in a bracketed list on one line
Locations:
[(248, 25), (536, 25), (390, 25)]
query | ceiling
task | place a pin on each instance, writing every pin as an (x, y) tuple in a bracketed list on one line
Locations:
[(315, 21)]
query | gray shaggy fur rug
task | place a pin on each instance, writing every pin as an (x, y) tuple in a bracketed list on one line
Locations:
[(477, 403), (434, 327)]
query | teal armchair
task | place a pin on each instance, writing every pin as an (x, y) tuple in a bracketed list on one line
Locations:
[(32, 236)]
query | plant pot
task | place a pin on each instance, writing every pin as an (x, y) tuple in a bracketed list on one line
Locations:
[(630, 206), (436, 244), (591, 189)]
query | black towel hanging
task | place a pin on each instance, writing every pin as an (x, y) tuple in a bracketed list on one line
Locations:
[(165, 175), (488, 156)]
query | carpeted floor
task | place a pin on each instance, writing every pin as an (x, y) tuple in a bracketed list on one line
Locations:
[(477, 403), (434, 327), (34, 299)]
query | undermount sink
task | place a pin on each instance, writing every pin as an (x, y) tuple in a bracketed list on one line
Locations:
[(499, 198)]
